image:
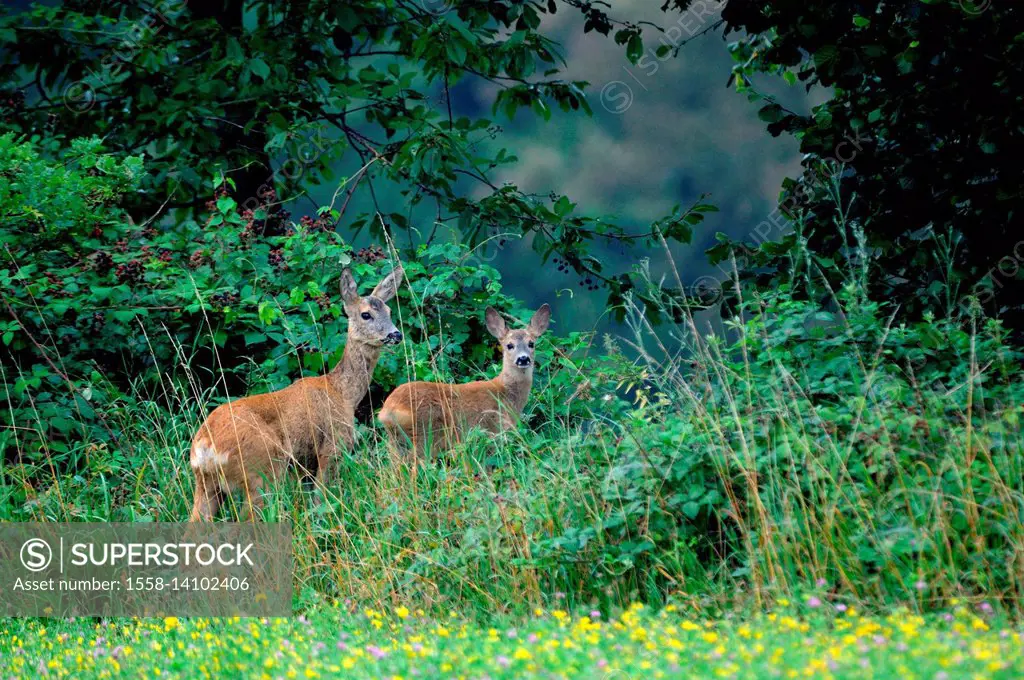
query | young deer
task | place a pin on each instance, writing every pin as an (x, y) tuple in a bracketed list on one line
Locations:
[(423, 410), (243, 442)]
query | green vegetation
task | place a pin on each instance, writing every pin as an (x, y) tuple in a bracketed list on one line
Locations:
[(815, 450), (332, 641), (723, 496), (102, 314), (934, 187), (816, 442), (820, 444), (282, 96)]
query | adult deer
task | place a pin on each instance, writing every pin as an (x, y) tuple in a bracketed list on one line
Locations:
[(247, 441), (443, 412)]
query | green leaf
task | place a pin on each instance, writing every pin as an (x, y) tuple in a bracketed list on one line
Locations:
[(563, 206), (515, 39), (268, 313), (635, 48), (456, 52), (453, 20), (234, 50), (771, 113), (259, 68), (826, 57)]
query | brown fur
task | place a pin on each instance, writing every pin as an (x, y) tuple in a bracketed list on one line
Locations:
[(442, 413), (243, 443)]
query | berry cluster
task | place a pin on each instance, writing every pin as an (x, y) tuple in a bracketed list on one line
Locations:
[(130, 272), (222, 300), (371, 255), (276, 259), (56, 285), (319, 223), (12, 101), (93, 323), (323, 301), (564, 267), (197, 259), (274, 223), (221, 192), (101, 261)]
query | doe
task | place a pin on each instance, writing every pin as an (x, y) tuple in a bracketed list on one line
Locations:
[(443, 412), (246, 441)]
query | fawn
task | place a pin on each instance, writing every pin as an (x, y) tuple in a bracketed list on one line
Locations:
[(419, 410), (243, 442)]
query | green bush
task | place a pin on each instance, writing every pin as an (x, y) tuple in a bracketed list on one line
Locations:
[(102, 313), (825, 443)]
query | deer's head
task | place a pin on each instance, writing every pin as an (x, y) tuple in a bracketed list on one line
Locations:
[(517, 346), (369, 319)]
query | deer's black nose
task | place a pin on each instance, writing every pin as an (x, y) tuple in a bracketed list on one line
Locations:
[(393, 338), (523, 361)]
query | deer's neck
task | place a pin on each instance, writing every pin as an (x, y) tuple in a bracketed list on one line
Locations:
[(351, 377), (515, 385)]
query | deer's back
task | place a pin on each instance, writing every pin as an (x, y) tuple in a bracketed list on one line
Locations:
[(291, 423), (420, 406)]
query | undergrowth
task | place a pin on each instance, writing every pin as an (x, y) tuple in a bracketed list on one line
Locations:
[(816, 445)]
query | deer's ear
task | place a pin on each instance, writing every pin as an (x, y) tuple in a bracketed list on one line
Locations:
[(541, 319), (388, 286), (495, 324), (349, 289)]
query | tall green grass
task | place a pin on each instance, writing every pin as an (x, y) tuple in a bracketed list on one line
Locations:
[(816, 443)]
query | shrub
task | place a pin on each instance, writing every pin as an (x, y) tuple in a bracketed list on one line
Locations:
[(102, 313), (825, 443)]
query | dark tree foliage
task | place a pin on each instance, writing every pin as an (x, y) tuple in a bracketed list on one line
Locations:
[(151, 152), (276, 95), (922, 135)]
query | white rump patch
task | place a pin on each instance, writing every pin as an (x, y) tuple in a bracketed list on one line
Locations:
[(206, 458)]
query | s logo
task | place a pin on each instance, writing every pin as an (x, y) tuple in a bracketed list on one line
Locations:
[(36, 554)]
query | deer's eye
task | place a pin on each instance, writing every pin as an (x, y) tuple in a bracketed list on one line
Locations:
[(511, 346), (366, 316), (530, 345)]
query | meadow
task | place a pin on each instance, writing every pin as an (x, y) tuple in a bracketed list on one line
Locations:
[(819, 640)]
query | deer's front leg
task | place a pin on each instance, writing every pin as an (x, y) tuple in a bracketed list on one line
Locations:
[(327, 454), (325, 461), (507, 421)]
